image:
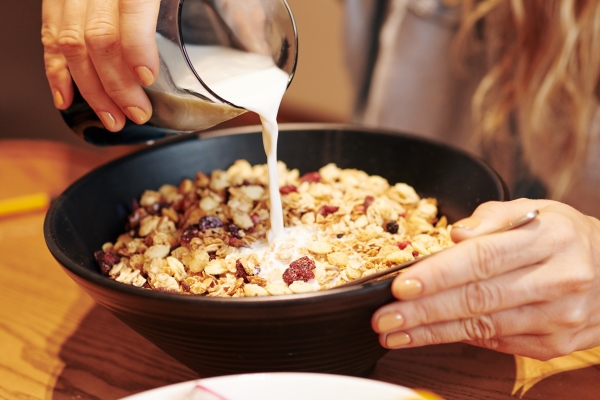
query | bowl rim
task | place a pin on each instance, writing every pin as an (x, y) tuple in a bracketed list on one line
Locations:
[(347, 291)]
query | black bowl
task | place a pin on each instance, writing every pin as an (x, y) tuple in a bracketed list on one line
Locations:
[(325, 331)]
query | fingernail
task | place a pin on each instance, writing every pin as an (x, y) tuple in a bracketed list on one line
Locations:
[(467, 223), (397, 339), (144, 75), (389, 322), (407, 288), (59, 101), (136, 114), (107, 120)]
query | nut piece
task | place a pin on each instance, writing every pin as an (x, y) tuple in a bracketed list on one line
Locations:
[(338, 258), (252, 290), (301, 287), (399, 256), (320, 247)]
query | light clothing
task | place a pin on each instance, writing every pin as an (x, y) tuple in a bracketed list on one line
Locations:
[(409, 85)]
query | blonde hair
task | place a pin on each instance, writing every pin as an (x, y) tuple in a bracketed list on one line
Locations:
[(543, 65)]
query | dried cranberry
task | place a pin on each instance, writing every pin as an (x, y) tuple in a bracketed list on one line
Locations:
[(326, 210), (255, 218), (415, 254), (234, 230), (288, 189), (235, 242), (212, 256), (368, 201), (185, 287), (311, 177), (240, 271), (391, 227), (403, 245), (299, 270), (106, 260), (210, 222), (189, 233)]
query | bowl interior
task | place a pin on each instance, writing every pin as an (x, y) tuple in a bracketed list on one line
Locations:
[(94, 209)]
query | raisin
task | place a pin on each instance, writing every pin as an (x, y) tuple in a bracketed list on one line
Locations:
[(288, 189), (311, 177), (185, 287), (234, 230), (299, 270), (326, 210), (189, 233), (210, 222), (240, 272), (106, 260), (391, 227)]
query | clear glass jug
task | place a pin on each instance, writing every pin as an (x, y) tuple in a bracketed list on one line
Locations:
[(184, 97)]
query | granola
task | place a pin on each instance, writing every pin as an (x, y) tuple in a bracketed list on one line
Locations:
[(208, 236)]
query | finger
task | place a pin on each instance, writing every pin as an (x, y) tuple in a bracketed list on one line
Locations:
[(489, 331), (473, 260), (138, 38), (492, 215), (507, 291), (72, 44), (102, 38), (55, 63)]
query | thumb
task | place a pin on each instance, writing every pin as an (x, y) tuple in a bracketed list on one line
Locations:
[(493, 215)]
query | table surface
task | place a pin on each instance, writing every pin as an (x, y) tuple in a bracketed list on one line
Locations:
[(56, 343)]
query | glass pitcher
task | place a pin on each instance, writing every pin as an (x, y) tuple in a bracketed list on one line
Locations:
[(195, 39)]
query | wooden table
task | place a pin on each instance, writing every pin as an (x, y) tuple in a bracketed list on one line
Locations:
[(55, 343)]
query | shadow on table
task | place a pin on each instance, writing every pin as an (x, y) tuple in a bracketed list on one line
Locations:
[(105, 359), (460, 371)]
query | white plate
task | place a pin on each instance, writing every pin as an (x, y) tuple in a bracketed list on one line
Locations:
[(280, 386)]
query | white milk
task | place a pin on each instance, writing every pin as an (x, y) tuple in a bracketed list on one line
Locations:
[(248, 80)]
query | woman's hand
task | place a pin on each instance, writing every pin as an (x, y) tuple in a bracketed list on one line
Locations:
[(532, 291), (108, 48)]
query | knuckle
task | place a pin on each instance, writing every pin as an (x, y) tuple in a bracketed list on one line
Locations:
[(50, 39), (573, 317), (478, 328), (115, 91), (71, 43), (559, 347), (430, 335), (484, 257), (102, 37), (480, 298), (422, 312)]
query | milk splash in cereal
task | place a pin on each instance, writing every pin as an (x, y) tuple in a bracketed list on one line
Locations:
[(251, 81)]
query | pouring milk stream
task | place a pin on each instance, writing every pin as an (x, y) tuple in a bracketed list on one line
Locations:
[(251, 81), (254, 82)]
